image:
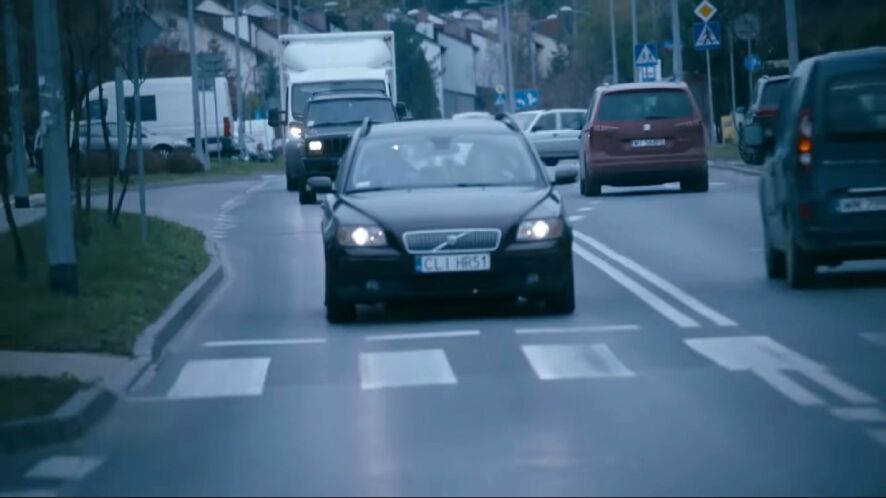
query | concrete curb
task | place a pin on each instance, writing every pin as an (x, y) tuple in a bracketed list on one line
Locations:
[(737, 167), (85, 408)]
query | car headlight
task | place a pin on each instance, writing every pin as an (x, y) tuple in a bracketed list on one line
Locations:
[(295, 132), (539, 229), (362, 236), (315, 146)]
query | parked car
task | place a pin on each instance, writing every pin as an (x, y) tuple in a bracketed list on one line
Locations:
[(554, 133), (764, 110), (162, 145), (823, 193), (256, 150), (643, 134)]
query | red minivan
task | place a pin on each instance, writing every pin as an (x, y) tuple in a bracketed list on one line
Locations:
[(643, 134)]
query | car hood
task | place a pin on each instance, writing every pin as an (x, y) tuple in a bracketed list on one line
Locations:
[(427, 209), (331, 131)]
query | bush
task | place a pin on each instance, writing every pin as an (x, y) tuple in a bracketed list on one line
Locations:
[(183, 162), (100, 164)]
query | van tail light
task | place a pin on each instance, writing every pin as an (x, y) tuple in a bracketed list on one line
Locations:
[(767, 112), (804, 140), (227, 125), (804, 211)]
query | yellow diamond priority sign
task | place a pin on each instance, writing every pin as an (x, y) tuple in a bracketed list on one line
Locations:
[(705, 10)]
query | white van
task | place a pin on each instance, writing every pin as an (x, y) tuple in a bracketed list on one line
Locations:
[(167, 109)]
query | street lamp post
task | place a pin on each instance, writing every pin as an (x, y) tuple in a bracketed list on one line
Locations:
[(241, 143)]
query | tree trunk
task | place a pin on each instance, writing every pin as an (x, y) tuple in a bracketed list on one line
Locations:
[(21, 266), (109, 156)]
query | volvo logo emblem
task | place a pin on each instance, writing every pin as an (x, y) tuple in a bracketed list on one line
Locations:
[(451, 240)]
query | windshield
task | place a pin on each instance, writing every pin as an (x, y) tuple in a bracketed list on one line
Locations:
[(342, 112), (645, 105), (857, 105), (443, 161), (524, 119), (301, 92), (772, 92)]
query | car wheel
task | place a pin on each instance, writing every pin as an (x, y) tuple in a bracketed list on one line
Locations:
[(591, 188), (800, 265), (291, 184), (338, 310), (775, 259), (305, 197), (699, 183), (563, 303), (163, 151)]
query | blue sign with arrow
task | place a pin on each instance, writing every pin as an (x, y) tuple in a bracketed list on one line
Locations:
[(706, 35), (752, 62), (526, 99)]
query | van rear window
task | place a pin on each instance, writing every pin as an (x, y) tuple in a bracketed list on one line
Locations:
[(772, 92), (856, 105), (645, 104)]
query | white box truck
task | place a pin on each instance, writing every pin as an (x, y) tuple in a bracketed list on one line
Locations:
[(167, 108)]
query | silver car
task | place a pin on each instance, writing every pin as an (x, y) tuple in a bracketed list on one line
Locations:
[(160, 144), (554, 133)]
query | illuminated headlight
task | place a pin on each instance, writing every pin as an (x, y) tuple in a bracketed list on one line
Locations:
[(368, 236), (315, 146), (295, 132), (545, 229)]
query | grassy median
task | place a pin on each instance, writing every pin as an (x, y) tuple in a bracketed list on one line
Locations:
[(124, 286), (25, 397), (723, 152)]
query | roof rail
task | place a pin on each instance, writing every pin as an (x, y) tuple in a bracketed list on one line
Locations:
[(508, 121), (365, 126)]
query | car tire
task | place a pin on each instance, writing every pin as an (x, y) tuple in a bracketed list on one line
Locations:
[(590, 188), (776, 266), (699, 183), (800, 271), (305, 197), (291, 184), (563, 303), (337, 309)]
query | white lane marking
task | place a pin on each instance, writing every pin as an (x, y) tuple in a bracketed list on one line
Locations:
[(425, 367), (423, 335), (717, 184), (789, 387), (66, 468), (876, 338), (578, 330), (577, 217), (221, 378), (582, 361), (868, 414), (264, 342), (658, 304), (585, 209), (768, 359), (669, 288), (878, 435), (28, 493)]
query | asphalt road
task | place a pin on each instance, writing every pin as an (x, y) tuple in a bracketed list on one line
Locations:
[(683, 371)]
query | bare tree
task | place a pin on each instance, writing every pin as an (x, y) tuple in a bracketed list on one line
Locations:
[(21, 267)]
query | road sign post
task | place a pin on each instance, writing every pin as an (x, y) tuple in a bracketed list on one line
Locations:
[(747, 27), (706, 37)]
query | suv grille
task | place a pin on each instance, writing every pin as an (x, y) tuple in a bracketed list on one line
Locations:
[(445, 241), (335, 146)]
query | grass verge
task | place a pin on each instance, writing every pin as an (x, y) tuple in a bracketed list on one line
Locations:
[(25, 397), (124, 286), (723, 152)]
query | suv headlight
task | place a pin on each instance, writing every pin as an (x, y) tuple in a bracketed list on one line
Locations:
[(295, 132), (315, 146), (362, 236), (539, 229)]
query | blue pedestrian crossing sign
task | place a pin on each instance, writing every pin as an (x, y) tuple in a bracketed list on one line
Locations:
[(645, 54), (526, 99), (706, 35), (500, 99)]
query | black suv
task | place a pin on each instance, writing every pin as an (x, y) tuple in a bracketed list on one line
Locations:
[(823, 193), (323, 134), (763, 112)]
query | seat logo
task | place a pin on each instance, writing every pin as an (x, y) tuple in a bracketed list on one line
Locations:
[(647, 126)]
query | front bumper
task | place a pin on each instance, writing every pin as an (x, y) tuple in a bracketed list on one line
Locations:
[(321, 166), (529, 270)]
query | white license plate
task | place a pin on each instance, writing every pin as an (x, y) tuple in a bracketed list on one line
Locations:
[(861, 204), (648, 142), (449, 263)]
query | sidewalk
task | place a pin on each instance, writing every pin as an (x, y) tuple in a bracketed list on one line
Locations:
[(736, 166)]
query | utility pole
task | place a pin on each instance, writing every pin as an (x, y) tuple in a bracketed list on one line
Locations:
[(732, 67), (678, 45), (532, 54), (634, 31), (59, 218), (241, 144), (790, 14), (612, 35), (135, 62), (198, 131), (508, 65), (16, 121), (750, 79)]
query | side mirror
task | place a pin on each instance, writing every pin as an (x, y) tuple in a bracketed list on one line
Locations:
[(320, 184), (535, 129), (276, 117), (402, 111), (753, 135), (565, 175)]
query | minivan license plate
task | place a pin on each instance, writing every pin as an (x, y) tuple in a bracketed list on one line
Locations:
[(861, 204), (648, 142), (450, 263)]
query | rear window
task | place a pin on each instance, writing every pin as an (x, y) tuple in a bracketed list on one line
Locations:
[(772, 93), (644, 105), (856, 104)]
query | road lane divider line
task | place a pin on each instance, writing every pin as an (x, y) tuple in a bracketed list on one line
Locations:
[(264, 342), (787, 386), (878, 435), (578, 330), (576, 217), (667, 287), (875, 338), (423, 335), (864, 414), (658, 304), (585, 209)]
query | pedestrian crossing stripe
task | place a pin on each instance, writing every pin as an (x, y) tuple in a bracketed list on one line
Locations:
[(707, 38)]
